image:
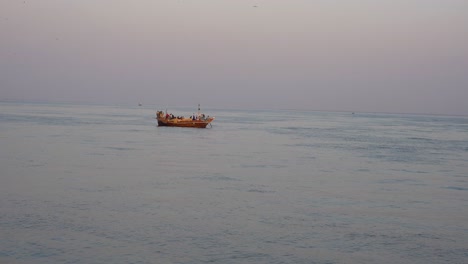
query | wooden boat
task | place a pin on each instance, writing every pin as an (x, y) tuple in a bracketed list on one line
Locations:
[(199, 121)]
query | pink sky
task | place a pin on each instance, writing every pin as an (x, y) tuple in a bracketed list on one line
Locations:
[(373, 56)]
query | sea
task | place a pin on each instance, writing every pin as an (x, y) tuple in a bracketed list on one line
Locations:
[(105, 184)]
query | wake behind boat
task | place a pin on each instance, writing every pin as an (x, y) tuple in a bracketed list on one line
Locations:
[(197, 120)]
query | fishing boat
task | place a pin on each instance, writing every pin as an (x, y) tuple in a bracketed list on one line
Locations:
[(198, 120)]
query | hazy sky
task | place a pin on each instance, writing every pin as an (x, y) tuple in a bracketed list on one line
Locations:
[(352, 55)]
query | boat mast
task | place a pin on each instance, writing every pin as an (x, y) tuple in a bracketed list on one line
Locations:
[(198, 110)]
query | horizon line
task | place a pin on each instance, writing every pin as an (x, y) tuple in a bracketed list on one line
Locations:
[(227, 108)]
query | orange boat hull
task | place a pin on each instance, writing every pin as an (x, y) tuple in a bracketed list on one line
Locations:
[(184, 122)]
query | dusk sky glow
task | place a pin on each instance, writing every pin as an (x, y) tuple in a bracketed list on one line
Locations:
[(406, 56)]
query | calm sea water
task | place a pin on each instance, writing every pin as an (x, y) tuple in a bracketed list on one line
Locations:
[(104, 184)]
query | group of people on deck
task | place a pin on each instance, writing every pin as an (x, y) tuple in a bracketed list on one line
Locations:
[(192, 117), (198, 117)]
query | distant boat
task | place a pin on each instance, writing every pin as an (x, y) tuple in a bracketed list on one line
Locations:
[(198, 120), (140, 104)]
